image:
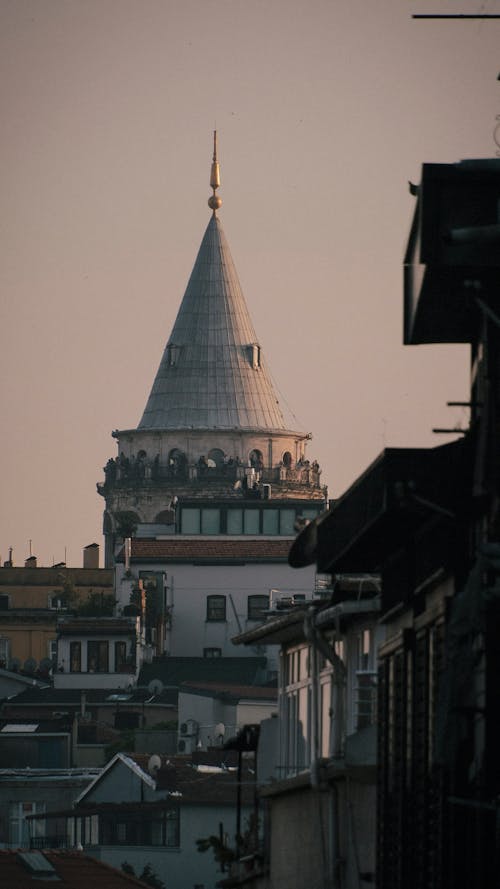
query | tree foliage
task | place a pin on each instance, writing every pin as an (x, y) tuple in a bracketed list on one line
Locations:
[(148, 876)]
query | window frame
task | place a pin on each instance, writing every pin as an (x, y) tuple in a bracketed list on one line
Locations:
[(101, 645), (212, 652), (75, 647), (120, 660), (252, 608), (212, 608)]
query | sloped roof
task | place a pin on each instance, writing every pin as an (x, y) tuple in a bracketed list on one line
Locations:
[(228, 670), (233, 693), (73, 870), (180, 779), (210, 375), (179, 549), (71, 697), (178, 774)]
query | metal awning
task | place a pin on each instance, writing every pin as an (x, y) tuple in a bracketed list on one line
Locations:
[(401, 489)]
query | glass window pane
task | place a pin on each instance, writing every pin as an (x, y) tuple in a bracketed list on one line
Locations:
[(120, 655), (235, 521), (251, 521), (97, 657), (270, 521), (210, 521), (75, 657), (216, 607), (190, 521), (172, 828), (256, 606), (287, 522), (309, 513)]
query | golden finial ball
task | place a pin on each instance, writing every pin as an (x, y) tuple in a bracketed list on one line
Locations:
[(214, 202)]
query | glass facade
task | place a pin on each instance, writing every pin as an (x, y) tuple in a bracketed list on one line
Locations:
[(236, 520)]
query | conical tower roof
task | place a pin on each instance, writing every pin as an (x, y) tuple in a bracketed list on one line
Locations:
[(212, 374)]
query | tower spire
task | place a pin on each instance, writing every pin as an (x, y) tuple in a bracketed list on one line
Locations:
[(214, 201)]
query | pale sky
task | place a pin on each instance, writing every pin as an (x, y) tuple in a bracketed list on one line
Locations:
[(324, 111)]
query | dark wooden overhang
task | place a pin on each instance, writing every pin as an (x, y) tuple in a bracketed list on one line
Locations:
[(452, 263), (394, 497)]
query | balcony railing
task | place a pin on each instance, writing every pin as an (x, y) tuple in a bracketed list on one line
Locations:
[(281, 476), (51, 841)]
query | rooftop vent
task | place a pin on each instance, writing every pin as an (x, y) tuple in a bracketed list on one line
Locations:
[(37, 864)]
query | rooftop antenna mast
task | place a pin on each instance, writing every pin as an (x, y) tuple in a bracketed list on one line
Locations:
[(214, 201)]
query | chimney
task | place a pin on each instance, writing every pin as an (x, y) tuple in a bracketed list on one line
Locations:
[(91, 556), (30, 562)]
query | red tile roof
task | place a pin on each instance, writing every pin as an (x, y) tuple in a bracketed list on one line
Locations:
[(73, 870), (182, 549)]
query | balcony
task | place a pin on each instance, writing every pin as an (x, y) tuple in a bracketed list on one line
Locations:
[(51, 841)]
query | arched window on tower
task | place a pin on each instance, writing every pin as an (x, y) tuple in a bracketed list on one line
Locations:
[(287, 460), (217, 456), (177, 462), (255, 459), (173, 353)]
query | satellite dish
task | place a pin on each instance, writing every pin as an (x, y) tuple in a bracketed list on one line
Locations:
[(155, 687), (220, 730), (211, 463), (154, 763), (30, 665)]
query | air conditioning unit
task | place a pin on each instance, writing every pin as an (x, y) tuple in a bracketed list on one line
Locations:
[(186, 745), (188, 728)]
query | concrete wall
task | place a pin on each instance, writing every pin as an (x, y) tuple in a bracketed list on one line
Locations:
[(323, 837), (184, 867), (54, 790), (188, 588)]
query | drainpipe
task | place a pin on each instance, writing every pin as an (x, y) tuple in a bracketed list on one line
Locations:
[(310, 634)]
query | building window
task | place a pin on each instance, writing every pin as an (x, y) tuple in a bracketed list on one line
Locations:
[(83, 831), (4, 651), (120, 656), (255, 459), (217, 456), (287, 522), (97, 657), (251, 521), (254, 353), (296, 750), (190, 521), (216, 608), (210, 521), (52, 651), (270, 520), (212, 652), (58, 602), (75, 657), (4, 602), (20, 829), (138, 830), (235, 521), (256, 607), (173, 353)]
